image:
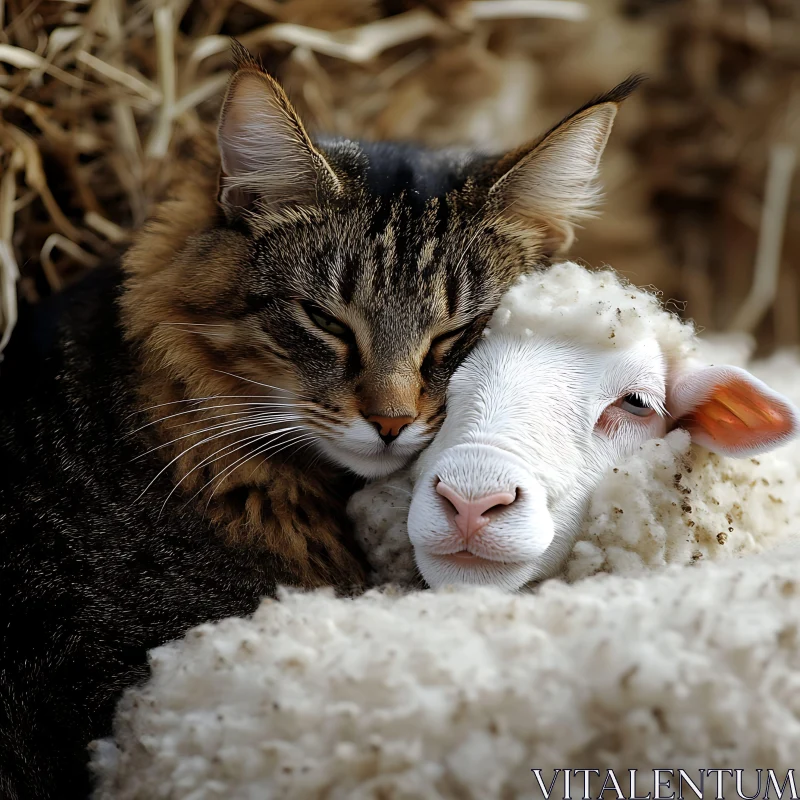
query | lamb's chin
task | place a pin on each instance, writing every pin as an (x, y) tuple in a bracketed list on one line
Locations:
[(377, 465), (444, 570)]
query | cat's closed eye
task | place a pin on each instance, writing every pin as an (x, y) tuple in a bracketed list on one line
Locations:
[(326, 322), (444, 341)]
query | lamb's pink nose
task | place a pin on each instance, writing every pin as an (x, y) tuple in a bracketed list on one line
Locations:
[(469, 516)]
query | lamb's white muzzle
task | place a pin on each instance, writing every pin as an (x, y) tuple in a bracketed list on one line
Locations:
[(479, 515)]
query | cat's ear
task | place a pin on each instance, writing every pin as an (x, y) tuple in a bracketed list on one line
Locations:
[(268, 159), (548, 185)]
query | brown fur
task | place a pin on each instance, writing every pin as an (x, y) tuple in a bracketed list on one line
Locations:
[(287, 506)]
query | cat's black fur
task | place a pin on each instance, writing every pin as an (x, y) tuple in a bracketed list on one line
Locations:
[(393, 168), (90, 579)]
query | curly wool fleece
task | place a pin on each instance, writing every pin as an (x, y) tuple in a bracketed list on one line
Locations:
[(596, 307), (459, 695)]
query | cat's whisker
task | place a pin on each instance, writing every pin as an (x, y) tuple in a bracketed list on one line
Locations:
[(225, 429), (229, 469), (236, 445), (208, 460), (198, 324), (205, 399), (253, 406), (255, 421), (248, 420), (184, 452), (276, 415), (216, 456), (258, 383), (232, 467), (311, 441)]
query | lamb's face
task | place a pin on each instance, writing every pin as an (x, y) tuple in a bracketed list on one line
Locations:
[(534, 421), (532, 425)]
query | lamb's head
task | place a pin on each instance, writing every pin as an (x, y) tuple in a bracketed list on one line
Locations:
[(576, 371)]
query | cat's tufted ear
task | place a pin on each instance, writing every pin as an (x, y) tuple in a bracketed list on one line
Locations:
[(548, 185), (268, 159), (728, 411)]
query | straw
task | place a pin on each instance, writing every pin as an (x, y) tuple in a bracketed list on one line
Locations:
[(100, 101)]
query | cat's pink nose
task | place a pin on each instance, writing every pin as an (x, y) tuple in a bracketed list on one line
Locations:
[(470, 515)]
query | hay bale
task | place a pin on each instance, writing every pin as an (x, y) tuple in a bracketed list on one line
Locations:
[(100, 99)]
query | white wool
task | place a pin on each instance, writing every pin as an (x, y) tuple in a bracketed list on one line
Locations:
[(460, 695), (672, 503), (593, 307)]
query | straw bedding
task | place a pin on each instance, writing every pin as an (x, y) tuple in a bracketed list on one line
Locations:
[(100, 97)]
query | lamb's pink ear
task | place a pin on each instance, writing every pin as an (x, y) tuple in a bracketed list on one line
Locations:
[(728, 411), (267, 156)]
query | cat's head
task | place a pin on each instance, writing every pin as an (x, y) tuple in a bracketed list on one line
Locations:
[(346, 282)]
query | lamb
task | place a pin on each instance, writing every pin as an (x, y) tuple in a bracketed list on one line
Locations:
[(460, 693), (578, 372)]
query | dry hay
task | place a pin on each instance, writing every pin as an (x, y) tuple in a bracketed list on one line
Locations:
[(100, 97)]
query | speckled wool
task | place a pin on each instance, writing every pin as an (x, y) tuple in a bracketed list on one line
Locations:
[(673, 503), (596, 307), (461, 694)]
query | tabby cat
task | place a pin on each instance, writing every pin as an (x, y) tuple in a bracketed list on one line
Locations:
[(289, 318)]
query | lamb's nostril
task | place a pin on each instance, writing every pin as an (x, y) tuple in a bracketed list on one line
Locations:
[(470, 514)]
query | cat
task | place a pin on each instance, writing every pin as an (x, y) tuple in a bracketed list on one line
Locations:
[(287, 319)]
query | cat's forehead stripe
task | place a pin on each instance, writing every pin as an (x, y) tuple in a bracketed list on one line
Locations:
[(348, 276)]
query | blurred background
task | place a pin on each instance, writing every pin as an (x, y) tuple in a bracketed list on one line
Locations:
[(99, 99)]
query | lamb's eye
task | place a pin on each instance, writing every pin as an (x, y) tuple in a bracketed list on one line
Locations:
[(635, 404), (326, 322)]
